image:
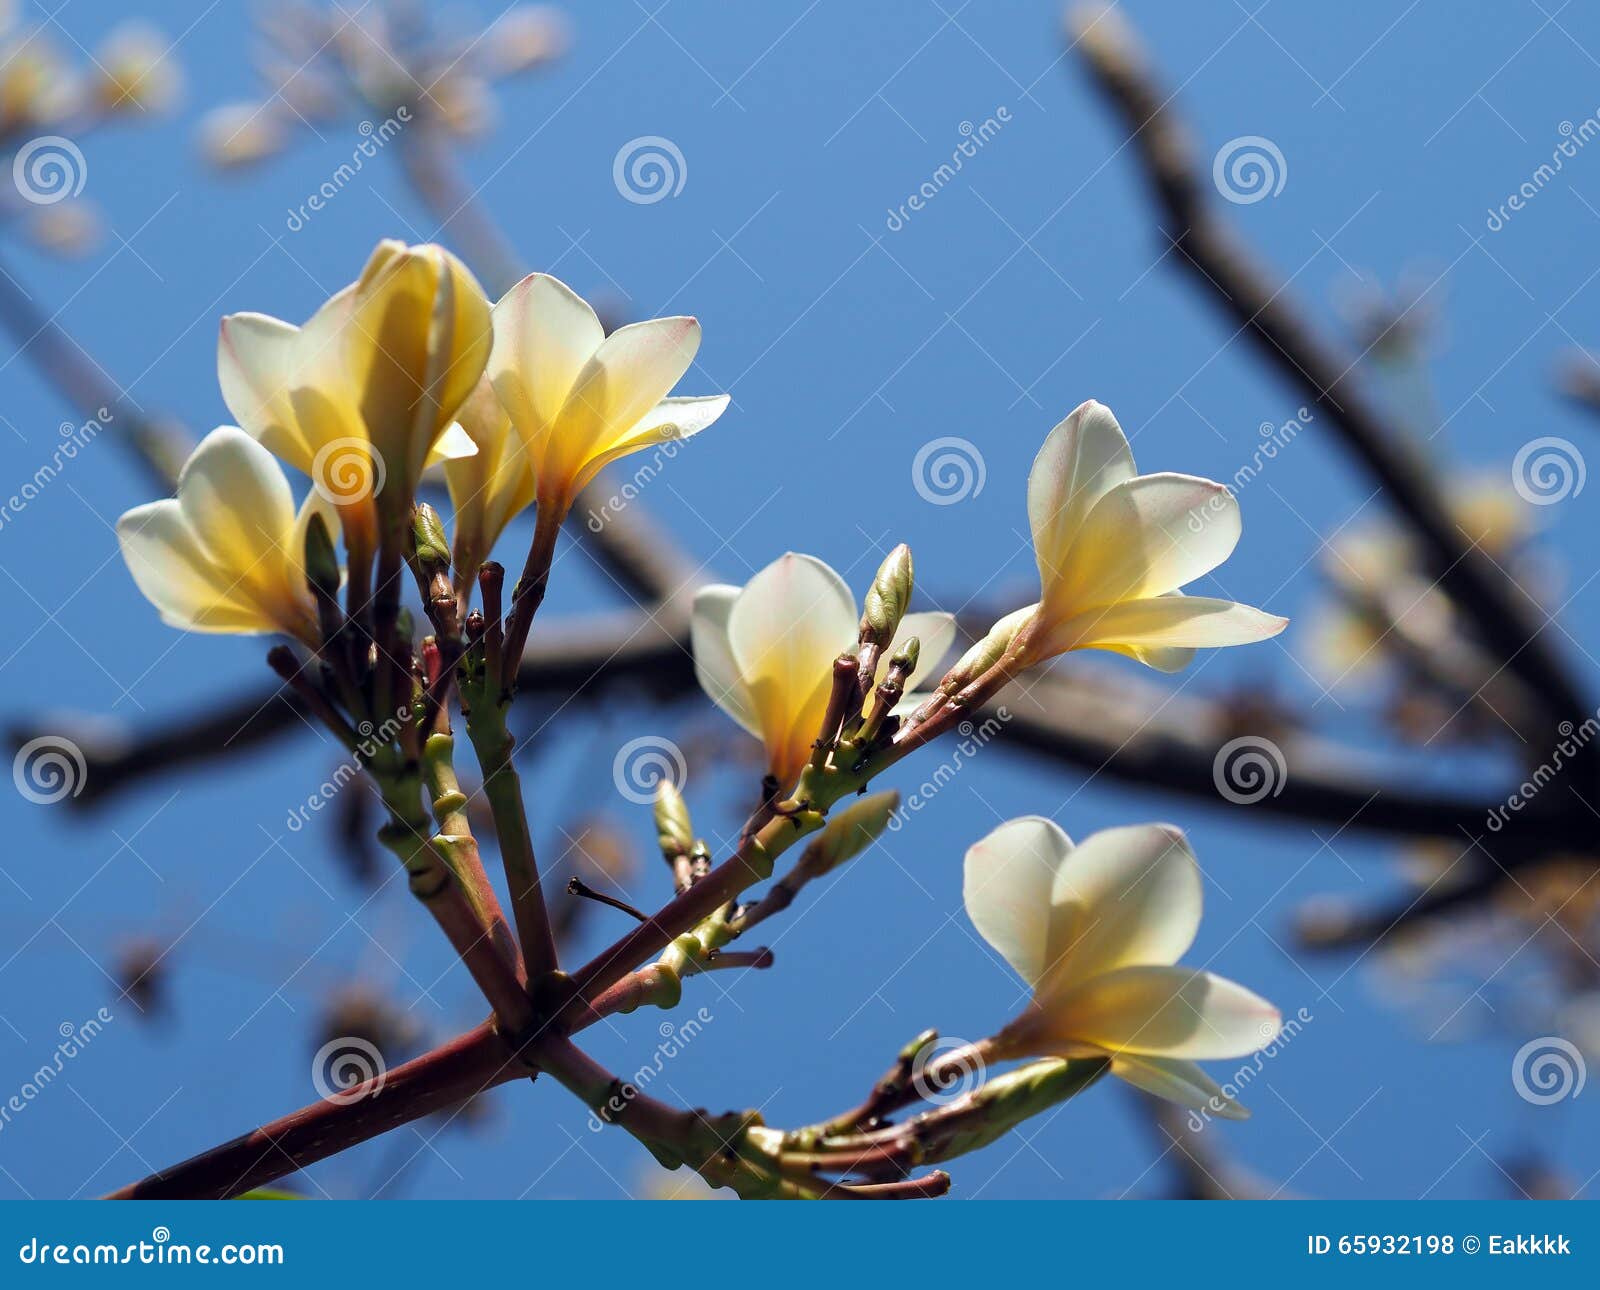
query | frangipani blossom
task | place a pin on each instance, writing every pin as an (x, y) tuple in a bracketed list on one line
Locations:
[(1114, 547), (580, 399), (491, 487), (227, 554), (764, 652), (1096, 931), (366, 393)]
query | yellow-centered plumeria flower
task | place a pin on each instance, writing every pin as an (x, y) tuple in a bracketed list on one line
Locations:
[(227, 554), (1114, 547), (366, 393), (580, 399), (489, 488), (764, 652), (1096, 930)]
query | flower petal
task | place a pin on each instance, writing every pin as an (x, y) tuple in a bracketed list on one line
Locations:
[(1126, 897), (670, 421), (544, 332), (714, 667), (1083, 457), (172, 571), (1159, 1011), (1164, 622), (1007, 879), (1145, 537), (632, 371), (238, 504), (785, 629), (1177, 1081)]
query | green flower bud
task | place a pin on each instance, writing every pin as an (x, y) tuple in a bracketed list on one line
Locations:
[(904, 659), (888, 597), (676, 833), (430, 549), (987, 652), (849, 832), (322, 562)]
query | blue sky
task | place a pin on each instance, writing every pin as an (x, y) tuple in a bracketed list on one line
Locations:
[(1031, 281)]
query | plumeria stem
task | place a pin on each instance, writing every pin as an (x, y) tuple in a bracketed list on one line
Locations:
[(528, 594), (486, 726)]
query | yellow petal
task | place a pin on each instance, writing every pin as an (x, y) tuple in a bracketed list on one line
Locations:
[(1084, 456), (1165, 622)]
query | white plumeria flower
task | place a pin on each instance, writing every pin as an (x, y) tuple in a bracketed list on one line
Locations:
[(1096, 931), (1114, 547), (227, 554), (764, 652), (581, 399)]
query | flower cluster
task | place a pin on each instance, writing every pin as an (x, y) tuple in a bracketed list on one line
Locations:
[(520, 403)]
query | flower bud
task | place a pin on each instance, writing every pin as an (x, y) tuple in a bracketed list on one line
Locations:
[(888, 597), (430, 549), (322, 562), (987, 652), (849, 832), (904, 659), (674, 830)]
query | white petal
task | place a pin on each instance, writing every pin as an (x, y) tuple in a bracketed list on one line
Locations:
[(714, 667), (683, 416), (1178, 1081), (632, 371), (1160, 1011), (1082, 458), (256, 360), (785, 629), (544, 332), (171, 569), (1164, 622), (1006, 883), (1125, 897), (1146, 537), (237, 502)]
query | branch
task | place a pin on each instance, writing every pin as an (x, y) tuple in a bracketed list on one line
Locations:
[(1503, 617)]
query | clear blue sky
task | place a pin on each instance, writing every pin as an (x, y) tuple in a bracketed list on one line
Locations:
[(1024, 287)]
